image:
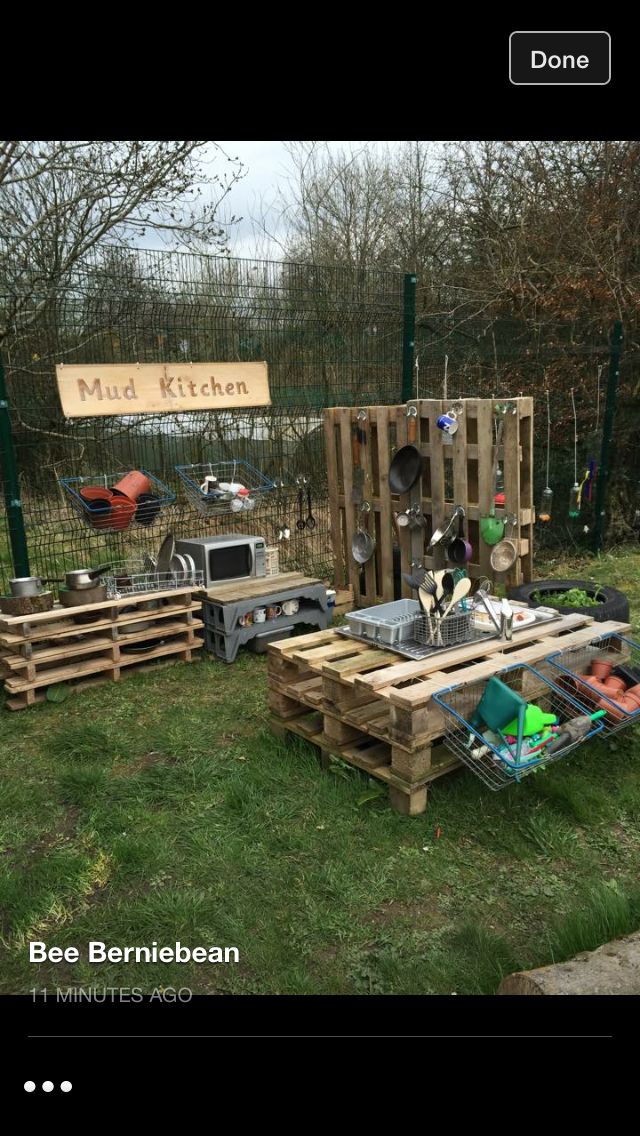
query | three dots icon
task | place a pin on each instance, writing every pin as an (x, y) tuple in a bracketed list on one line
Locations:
[(47, 1086)]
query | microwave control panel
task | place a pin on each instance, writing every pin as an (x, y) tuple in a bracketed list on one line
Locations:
[(261, 566)]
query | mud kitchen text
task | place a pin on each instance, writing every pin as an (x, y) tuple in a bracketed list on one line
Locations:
[(168, 388), (97, 952)]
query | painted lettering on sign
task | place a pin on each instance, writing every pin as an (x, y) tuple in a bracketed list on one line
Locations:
[(157, 388)]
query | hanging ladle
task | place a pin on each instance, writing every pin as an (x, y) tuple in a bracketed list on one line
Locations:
[(363, 544)]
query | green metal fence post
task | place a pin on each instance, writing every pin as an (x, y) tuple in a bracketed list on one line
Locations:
[(607, 434), (408, 334), (17, 535)]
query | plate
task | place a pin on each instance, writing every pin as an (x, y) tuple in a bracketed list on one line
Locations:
[(522, 617), (166, 554)]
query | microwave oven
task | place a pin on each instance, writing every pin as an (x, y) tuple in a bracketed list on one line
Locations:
[(225, 558)]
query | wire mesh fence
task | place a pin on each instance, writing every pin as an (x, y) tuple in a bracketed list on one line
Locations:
[(331, 336)]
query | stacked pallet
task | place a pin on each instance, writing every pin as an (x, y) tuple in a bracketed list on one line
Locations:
[(42, 650), (363, 704)]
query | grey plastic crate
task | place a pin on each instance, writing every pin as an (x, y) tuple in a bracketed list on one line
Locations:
[(386, 623)]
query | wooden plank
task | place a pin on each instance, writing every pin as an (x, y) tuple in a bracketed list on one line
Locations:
[(78, 670), (95, 643), (343, 668), (286, 646), (68, 627), (336, 650), (346, 421), (11, 623), (404, 500), (332, 490), (256, 587), (486, 487), (414, 696), (385, 585), (368, 522)]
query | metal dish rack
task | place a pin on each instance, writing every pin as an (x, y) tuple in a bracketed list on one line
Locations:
[(495, 767), (134, 577), (96, 520), (451, 631), (227, 472), (574, 663)]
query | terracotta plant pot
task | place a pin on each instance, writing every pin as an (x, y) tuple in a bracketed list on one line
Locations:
[(98, 503), (633, 694), (615, 711), (133, 484), (615, 684), (601, 669), (122, 513)]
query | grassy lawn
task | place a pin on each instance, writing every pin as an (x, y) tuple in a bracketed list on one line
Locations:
[(161, 808)]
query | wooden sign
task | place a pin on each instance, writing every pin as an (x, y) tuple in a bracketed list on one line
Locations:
[(160, 388)]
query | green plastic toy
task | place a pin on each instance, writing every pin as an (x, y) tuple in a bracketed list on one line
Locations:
[(535, 721)]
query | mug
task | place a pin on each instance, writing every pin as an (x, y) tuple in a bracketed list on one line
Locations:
[(274, 612), (246, 620), (259, 614), (447, 423), (291, 607)]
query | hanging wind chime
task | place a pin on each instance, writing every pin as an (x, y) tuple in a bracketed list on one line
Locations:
[(546, 501)]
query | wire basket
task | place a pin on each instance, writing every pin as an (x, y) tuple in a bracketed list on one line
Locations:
[(496, 766), (227, 473), (135, 577), (574, 667), (455, 628), (114, 516)]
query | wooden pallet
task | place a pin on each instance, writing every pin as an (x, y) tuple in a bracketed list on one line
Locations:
[(362, 703), (455, 472), (37, 652)]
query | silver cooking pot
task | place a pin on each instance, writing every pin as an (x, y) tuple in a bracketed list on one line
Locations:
[(84, 577), (26, 586)]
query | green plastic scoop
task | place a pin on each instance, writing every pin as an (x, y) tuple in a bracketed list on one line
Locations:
[(535, 721)]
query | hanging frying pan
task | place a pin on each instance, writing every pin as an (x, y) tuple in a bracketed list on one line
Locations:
[(363, 544), (406, 467)]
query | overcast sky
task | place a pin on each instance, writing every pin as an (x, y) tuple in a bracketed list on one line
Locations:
[(267, 168)]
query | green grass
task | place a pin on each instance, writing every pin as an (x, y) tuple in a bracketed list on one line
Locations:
[(162, 808)]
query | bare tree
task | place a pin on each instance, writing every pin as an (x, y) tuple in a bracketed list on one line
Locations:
[(58, 200)]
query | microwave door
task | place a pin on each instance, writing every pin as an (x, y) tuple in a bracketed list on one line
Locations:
[(231, 562)]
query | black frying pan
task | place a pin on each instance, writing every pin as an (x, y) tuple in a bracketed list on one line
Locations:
[(405, 469)]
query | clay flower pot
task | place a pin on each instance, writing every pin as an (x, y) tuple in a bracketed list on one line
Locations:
[(133, 484), (601, 669), (98, 504), (122, 513), (615, 684), (615, 711), (633, 695)]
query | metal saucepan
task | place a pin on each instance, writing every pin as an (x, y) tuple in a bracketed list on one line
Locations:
[(460, 551), (26, 586), (406, 466), (504, 554), (84, 577), (363, 544)]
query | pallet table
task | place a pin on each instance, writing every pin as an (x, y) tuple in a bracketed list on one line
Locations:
[(41, 650), (374, 710), (223, 605), (456, 471)]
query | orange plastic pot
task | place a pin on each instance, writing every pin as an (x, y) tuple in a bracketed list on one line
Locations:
[(133, 484), (633, 694), (615, 684), (99, 517), (122, 513), (601, 669)]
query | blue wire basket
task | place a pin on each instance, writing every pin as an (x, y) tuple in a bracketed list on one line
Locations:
[(497, 766), (574, 664), (147, 510), (226, 472)]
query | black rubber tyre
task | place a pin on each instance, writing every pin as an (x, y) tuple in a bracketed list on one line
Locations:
[(612, 604)]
